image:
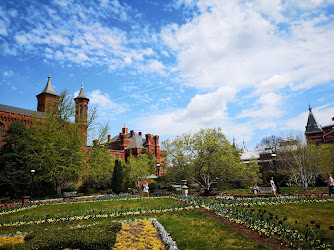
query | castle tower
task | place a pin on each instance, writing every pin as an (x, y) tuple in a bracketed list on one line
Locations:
[(81, 102), (313, 131), (47, 100), (157, 148)]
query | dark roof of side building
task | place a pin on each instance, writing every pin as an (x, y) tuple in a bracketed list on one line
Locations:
[(20, 111), (136, 141), (312, 125)]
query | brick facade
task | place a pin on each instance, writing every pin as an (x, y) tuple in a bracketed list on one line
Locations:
[(124, 143)]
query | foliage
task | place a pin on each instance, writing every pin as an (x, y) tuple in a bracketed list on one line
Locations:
[(117, 178), (100, 168), (15, 179), (11, 240), (138, 235), (205, 157), (139, 167), (94, 237), (305, 162), (57, 152)]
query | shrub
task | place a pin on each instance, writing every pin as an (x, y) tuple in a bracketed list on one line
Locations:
[(89, 237)]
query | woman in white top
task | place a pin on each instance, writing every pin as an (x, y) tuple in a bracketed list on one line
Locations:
[(272, 184), (330, 184), (146, 188)]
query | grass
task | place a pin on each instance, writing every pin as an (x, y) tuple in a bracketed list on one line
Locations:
[(321, 213), (54, 209), (195, 230)]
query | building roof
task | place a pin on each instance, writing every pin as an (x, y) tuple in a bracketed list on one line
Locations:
[(137, 141), (250, 155), (82, 94), (48, 88), (20, 111), (312, 125)]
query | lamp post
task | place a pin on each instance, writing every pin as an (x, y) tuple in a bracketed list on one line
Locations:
[(273, 156), (158, 168), (32, 171)]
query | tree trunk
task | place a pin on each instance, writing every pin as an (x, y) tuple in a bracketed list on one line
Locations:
[(58, 188)]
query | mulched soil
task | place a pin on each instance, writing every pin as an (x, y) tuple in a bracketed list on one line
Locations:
[(256, 237)]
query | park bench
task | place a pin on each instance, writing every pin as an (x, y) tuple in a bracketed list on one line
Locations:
[(262, 190), (162, 191), (70, 194), (213, 192)]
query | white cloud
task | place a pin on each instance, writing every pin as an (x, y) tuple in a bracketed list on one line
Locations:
[(239, 44), (104, 103), (208, 110), (269, 107), (8, 73)]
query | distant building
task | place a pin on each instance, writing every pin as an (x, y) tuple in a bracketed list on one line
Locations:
[(318, 134), (46, 100), (124, 144)]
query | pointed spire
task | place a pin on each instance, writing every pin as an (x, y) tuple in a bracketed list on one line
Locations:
[(312, 125), (82, 93), (48, 88), (244, 148)]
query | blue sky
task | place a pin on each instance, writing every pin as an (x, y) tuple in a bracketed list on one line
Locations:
[(172, 67)]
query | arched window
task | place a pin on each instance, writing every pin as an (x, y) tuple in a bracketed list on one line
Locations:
[(81, 112)]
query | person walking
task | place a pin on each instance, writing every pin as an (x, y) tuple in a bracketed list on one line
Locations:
[(330, 183), (146, 188), (273, 187)]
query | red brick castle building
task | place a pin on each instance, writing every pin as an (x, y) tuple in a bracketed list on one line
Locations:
[(318, 134), (46, 100), (120, 146)]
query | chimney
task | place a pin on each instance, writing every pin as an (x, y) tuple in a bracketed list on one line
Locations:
[(156, 140), (132, 133), (140, 133), (109, 137)]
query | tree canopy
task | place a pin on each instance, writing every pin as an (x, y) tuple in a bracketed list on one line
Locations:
[(206, 157)]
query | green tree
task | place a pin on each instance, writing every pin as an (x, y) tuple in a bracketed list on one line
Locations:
[(204, 158), (117, 179), (15, 179), (139, 167), (305, 162), (56, 149), (100, 163)]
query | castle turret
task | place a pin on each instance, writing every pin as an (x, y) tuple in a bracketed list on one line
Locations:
[(81, 102), (47, 100)]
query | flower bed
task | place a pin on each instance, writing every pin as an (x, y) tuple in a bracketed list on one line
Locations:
[(268, 224), (144, 234), (90, 214)]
